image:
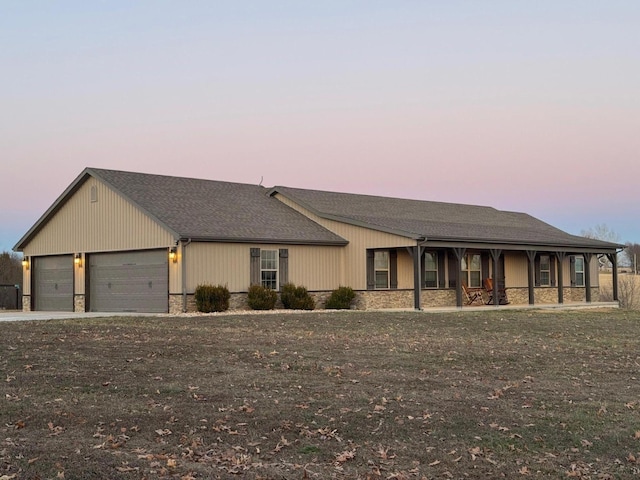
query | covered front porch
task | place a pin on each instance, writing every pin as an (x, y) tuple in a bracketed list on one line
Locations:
[(454, 275)]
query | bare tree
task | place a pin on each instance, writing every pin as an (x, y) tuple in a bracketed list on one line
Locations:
[(601, 232), (632, 252), (604, 233)]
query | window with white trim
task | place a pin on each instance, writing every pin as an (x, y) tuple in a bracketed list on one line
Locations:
[(472, 270), (381, 268), (579, 271), (545, 270), (269, 269), (431, 270)]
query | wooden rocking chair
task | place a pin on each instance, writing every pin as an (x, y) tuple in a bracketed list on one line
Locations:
[(502, 293), (473, 295)]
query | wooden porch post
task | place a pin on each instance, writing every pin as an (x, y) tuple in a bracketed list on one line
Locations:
[(587, 276), (531, 255), (417, 276), (560, 256), (459, 253), (495, 255), (613, 258)]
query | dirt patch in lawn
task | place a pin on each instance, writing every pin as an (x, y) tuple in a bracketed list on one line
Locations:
[(323, 395)]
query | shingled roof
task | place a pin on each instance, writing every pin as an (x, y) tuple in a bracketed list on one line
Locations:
[(437, 221), (205, 210)]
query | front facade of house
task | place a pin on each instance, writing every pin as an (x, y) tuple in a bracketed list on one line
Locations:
[(122, 241)]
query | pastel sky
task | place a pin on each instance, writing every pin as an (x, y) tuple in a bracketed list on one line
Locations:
[(531, 106)]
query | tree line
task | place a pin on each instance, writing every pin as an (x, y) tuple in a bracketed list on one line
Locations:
[(10, 275)]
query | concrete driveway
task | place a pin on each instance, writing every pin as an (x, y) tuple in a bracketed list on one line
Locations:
[(16, 315)]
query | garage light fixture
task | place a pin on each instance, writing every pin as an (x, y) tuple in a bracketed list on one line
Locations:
[(78, 260), (173, 254), (25, 263)]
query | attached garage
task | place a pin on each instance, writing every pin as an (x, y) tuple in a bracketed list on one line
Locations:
[(53, 283), (119, 241), (129, 282)]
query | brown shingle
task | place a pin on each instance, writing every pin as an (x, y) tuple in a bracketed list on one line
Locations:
[(436, 220), (217, 211)]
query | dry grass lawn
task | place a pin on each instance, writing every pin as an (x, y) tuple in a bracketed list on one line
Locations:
[(495, 394), (628, 289)]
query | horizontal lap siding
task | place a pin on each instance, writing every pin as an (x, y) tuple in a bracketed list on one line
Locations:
[(111, 223)]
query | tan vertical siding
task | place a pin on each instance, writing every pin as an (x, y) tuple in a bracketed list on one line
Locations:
[(109, 224), (516, 269), (79, 276), (175, 272), (595, 271), (314, 267), (405, 269), (26, 280), (360, 239)]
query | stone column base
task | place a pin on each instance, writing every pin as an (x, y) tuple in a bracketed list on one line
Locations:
[(26, 303), (78, 303)]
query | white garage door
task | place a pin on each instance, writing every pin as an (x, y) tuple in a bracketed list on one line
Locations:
[(129, 282), (53, 283)]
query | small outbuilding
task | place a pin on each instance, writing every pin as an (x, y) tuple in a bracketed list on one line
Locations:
[(135, 242)]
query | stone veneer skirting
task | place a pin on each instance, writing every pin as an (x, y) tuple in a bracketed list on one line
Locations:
[(549, 295), (403, 299), (376, 299)]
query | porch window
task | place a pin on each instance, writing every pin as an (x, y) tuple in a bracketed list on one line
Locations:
[(545, 270), (472, 270), (431, 270), (269, 269), (381, 266), (579, 271)]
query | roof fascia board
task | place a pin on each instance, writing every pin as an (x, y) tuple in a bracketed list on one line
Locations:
[(269, 241), (70, 190), (347, 220), (51, 211), (516, 247)]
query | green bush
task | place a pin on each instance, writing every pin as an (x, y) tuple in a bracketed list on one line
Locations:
[(212, 299), (261, 298), (340, 298), (296, 298)]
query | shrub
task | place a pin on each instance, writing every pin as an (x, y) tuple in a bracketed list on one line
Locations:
[(340, 298), (261, 298), (296, 298), (212, 299)]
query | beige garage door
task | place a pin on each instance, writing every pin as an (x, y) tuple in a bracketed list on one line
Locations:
[(129, 282), (53, 283)]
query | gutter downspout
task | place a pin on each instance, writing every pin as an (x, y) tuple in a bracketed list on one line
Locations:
[(184, 275)]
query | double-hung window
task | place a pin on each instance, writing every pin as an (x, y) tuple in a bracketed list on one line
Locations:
[(472, 270), (545, 270), (579, 271), (381, 267), (431, 270), (269, 269)]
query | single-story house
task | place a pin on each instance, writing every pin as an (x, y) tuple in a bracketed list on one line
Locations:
[(124, 241)]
